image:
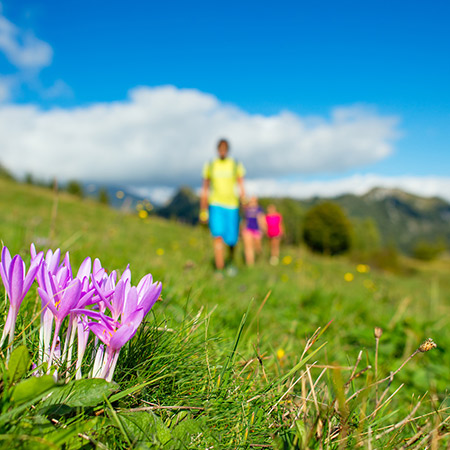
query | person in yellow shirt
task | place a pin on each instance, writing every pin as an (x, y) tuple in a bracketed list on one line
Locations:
[(223, 186)]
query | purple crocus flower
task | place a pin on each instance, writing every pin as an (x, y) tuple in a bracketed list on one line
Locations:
[(115, 337), (17, 282), (60, 301), (83, 335)]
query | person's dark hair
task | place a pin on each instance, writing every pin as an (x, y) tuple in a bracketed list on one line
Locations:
[(223, 141)]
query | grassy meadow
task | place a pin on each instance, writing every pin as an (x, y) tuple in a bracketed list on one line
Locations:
[(275, 357)]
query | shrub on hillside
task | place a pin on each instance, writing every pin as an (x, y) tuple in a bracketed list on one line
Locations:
[(388, 259), (103, 196), (427, 251), (74, 187), (366, 238), (326, 229)]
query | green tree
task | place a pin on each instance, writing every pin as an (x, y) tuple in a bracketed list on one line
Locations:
[(427, 251), (74, 187), (103, 196), (366, 237), (326, 229)]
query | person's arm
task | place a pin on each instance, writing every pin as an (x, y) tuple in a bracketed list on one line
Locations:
[(204, 194), (283, 232), (261, 218), (240, 182), (204, 201)]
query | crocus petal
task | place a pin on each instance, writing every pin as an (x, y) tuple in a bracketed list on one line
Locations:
[(34, 267), (106, 321), (16, 270), (4, 267), (150, 297), (126, 274), (101, 294), (47, 302), (97, 266), (100, 331), (131, 304), (70, 298), (62, 276), (145, 283), (118, 300), (126, 331), (85, 299), (6, 258), (52, 260), (85, 269), (67, 265)]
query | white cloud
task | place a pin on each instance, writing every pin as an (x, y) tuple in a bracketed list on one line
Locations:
[(163, 135), (5, 88), (22, 48), (159, 195), (356, 184), (57, 90), (28, 55)]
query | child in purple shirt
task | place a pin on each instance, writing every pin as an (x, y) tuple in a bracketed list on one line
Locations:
[(251, 233)]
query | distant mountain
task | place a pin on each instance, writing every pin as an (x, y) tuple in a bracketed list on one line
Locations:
[(402, 218), (184, 206)]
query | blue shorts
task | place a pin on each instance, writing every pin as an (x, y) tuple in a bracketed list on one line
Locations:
[(224, 223)]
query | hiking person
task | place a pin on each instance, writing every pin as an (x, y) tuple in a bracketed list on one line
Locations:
[(275, 229), (251, 232), (222, 178)]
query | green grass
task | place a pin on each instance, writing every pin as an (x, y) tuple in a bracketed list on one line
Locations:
[(207, 378)]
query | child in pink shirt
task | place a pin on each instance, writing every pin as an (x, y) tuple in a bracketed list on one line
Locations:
[(274, 223)]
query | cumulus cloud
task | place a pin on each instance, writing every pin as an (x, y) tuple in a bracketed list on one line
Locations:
[(358, 184), (22, 48), (163, 135), (27, 55)]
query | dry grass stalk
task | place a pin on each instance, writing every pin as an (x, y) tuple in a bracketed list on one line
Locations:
[(402, 423), (424, 347), (378, 333), (286, 393)]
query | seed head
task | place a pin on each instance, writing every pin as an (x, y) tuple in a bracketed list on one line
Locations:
[(378, 332), (427, 345)]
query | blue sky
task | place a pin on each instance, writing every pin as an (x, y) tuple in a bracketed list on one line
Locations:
[(332, 95)]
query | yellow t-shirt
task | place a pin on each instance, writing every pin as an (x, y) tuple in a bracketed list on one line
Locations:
[(223, 175)]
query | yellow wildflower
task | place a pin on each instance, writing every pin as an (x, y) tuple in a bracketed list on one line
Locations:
[(287, 260), (362, 268), (349, 277)]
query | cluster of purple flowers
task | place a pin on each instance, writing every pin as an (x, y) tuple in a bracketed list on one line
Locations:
[(91, 301)]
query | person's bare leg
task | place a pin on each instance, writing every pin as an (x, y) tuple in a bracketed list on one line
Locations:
[(219, 253), (248, 248), (257, 244), (276, 247), (274, 250)]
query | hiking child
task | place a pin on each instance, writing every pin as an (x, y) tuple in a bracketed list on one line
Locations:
[(275, 229), (252, 230)]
